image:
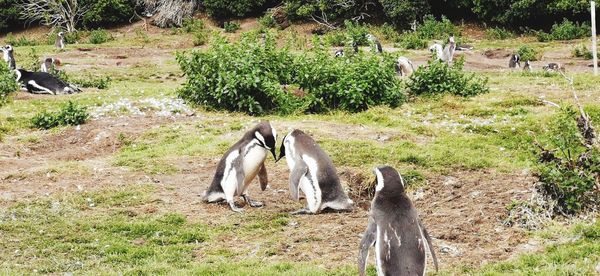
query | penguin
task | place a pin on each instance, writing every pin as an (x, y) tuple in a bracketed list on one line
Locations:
[(9, 57), (313, 173), (527, 66), (47, 65), (375, 42), (44, 83), (404, 67), (448, 55), (395, 230), (339, 53), (60, 41), (240, 164), (438, 49), (355, 47), (515, 61), (553, 67), (464, 47)]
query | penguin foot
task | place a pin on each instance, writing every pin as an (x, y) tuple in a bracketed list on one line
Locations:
[(303, 211), (234, 208), (253, 203)]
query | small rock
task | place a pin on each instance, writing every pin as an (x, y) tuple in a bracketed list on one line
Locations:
[(293, 224), (448, 249), (598, 267), (451, 181), (418, 194), (475, 194)]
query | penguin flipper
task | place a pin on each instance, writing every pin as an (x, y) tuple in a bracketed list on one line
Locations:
[(300, 170), (367, 241), (430, 245), (263, 177)]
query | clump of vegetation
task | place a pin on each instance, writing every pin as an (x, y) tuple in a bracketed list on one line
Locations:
[(231, 26), (498, 33), (198, 29), (529, 53), (69, 114), (440, 78), (581, 51), (267, 21), (31, 61), (256, 78), (566, 30), (8, 84), (232, 8), (335, 38), (434, 29), (21, 41), (357, 33), (70, 38), (100, 36), (412, 40), (91, 82), (569, 163)]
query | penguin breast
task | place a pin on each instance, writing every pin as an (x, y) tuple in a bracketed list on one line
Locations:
[(254, 157)]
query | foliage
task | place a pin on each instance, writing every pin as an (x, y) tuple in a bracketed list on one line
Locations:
[(31, 61), (412, 40), (528, 13), (582, 52), (198, 30), (18, 42), (10, 14), (439, 78), (529, 53), (267, 21), (107, 12), (434, 29), (253, 77), (566, 30), (356, 32), (403, 12), (70, 38), (100, 36), (69, 114), (231, 26), (569, 171), (8, 83), (232, 8), (498, 33), (335, 38)]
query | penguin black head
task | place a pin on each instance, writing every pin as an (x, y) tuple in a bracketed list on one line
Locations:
[(8, 48), (389, 181), (266, 136), (61, 34), (281, 149)]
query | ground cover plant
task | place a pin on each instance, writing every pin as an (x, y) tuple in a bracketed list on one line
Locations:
[(7, 82), (439, 77), (69, 114)]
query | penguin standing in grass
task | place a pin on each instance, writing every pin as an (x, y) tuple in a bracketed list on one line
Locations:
[(313, 173), (395, 230), (60, 41), (48, 65), (44, 83), (9, 57), (515, 61), (404, 67), (240, 165), (375, 42)]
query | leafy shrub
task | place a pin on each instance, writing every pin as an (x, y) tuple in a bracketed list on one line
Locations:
[(267, 21), (9, 9), (439, 78), (357, 32), (70, 38), (100, 36), (69, 114), (231, 26), (91, 82), (31, 60), (198, 30), (389, 32), (232, 8), (582, 52), (107, 12), (335, 38), (250, 77), (21, 41), (569, 171), (8, 83), (412, 40), (498, 33), (403, 12), (434, 29), (566, 30), (529, 53)]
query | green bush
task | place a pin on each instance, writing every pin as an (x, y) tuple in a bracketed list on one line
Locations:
[(440, 78), (498, 33), (232, 8), (389, 32), (569, 171), (29, 61), (356, 32), (581, 51), (403, 12), (412, 40), (267, 21), (529, 53), (566, 30), (248, 76), (100, 36), (21, 41), (70, 38), (335, 38), (10, 11), (107, 12), (231, 26), (8, 83), (198, 30), (434, 29), (69, 114)]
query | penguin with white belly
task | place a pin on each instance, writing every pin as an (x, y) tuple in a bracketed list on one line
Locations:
[(313, 173), (240, 165)]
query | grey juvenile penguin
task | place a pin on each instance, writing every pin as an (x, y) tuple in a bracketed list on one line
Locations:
[(47, 65), (313, 173), (395, 230), (60, 41), (240, 164), (9, 57), (44, 83)]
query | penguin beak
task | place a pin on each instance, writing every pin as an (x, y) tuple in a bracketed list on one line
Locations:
[(274, 155)]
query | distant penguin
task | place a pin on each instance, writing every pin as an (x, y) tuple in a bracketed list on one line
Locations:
[(395, 230), (515, 61), (47, 65), (240, 165), (44, 83), (464, 47), (373, 40), (339, 53), (9, 57), (527, 66), (438, 49), (404, 67), (313, 173), (553, 67), (448, 55), (60, 41), (355, 46)]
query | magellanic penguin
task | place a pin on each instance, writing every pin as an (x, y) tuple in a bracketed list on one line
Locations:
[(339, 53), (395, 230), (60, 40), (404, 67), (438, 49), (449, 50), (375, 43), (515, 61), (527, 66), (9, 57), (47, 65), (240, 164), (313, 173), (44, 83)]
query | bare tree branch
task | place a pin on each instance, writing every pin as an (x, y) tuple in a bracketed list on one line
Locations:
[(56, 13), (168, 13)]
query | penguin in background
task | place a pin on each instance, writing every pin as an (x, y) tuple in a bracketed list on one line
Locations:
[(44, 83), (527, 66), (515, 61), (339, 53), (449, 50), (60, 41), (395, 230), (313, 173), (375, 42), (240, 165), (9, 57), (404, 67), (48, 65)]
